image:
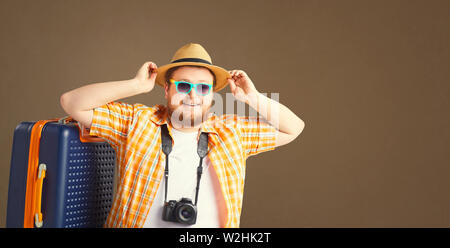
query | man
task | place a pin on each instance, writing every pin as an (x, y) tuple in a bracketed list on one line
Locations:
[(135, 131)]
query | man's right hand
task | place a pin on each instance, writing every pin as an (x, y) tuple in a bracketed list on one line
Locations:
[(81, 102), (146, 76)]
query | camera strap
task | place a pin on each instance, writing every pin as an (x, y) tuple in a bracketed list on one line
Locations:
[(202, 150)]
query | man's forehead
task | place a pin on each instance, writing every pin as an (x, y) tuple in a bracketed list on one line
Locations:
[(195, 74)]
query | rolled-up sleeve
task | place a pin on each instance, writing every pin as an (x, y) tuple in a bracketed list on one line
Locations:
[(112, 122), (257, 134)]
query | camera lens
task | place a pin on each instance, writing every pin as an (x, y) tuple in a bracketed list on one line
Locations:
[(185, 213)]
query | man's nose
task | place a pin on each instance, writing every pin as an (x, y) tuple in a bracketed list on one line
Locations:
[(193, 94)]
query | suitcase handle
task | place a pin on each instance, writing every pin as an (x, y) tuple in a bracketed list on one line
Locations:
[(84, 134), (85, 137), (34, 178), (38, 195)]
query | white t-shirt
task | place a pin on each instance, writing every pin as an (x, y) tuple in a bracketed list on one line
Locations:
[(183, 163)]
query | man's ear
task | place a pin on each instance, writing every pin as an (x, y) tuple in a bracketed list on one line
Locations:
[(166, 90)]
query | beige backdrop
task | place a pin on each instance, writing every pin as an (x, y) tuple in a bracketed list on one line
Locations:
[(369, 78)]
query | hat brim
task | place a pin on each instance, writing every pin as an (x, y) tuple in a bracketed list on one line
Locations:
[(221, 74)]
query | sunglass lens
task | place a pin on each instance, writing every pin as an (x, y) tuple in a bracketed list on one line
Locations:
[(203, 89), (183, 87)]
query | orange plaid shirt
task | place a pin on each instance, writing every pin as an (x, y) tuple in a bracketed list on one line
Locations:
[(133, 130)]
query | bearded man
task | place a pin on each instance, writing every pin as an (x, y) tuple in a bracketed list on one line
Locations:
[(150, 140)]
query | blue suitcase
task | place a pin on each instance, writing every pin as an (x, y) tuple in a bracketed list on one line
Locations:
[(59, 176)]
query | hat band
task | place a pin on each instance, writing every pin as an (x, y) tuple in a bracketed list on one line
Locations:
[(191, 60)]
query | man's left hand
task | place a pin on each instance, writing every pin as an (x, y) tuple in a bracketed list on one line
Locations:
[(242, 87)]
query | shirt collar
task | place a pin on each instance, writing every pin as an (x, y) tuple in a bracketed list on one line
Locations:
[(208, 126)]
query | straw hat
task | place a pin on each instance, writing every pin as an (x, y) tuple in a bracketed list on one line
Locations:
[(194, 54)]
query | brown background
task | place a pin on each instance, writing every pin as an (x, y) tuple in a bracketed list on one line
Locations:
[(369, 78)]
